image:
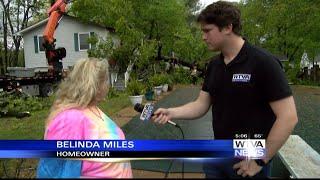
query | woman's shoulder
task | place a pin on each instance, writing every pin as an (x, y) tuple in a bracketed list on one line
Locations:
[(69, 122), (71, 111), (70, 115)]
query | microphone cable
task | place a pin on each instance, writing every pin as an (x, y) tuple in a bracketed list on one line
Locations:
[(146, 110), (169, 168)]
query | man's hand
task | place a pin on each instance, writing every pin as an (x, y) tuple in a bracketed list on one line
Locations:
[(247, 168), (192, 110), (162, 116)]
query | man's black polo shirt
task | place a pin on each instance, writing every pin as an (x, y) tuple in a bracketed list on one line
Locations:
[(241, 92)]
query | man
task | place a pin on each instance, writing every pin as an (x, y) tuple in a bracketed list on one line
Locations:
[(247, 89)]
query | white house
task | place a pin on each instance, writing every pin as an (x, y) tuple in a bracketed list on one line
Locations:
[(308, 62), (72, 34)]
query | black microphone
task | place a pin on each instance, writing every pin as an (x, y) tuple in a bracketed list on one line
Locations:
[(147, 111)]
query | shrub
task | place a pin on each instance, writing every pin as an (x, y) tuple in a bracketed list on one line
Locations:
[(14, 102), (135, 88), (165, 78), (182, 76), (112, 93), (292, 75), (156, 80), (149, 86)]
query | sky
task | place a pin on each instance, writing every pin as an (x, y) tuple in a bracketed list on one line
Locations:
[(207, 2)]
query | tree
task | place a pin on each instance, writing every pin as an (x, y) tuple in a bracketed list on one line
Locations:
[(191, 48), (16, 16), (4, 54), (1, 59), (148, 30), (284, 27), (193, 7)]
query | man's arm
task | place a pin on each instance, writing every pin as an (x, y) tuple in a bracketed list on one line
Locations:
[(192, 110), (286, 120)]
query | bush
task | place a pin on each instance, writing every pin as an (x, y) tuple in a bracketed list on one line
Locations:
[(14, 102), (181, 76), (199, 81), (159, 79), (149, 86), (292, 75), (112, 93), (307, 82), (156, 80), (162, 66), (165, 78), (135, 88)]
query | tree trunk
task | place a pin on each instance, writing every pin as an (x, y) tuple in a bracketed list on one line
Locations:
[(5, 40), (314, 78), (15, 56), (2, 63), (159, 55), (151, 30), (14, 20)]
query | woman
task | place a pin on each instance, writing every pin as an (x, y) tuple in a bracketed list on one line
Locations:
[(76, 116)]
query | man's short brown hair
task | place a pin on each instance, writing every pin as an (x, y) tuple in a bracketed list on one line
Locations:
[(222, 14)]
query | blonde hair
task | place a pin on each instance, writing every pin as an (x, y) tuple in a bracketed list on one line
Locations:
[(81, 87)]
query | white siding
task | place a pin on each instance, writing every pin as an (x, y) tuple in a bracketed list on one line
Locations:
[(65, 38)]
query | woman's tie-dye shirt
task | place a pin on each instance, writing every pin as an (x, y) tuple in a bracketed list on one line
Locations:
[(75, 124)]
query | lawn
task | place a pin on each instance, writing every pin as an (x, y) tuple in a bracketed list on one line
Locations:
[(33, 127)]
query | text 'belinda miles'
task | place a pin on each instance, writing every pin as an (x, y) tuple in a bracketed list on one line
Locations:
[(95, 144)]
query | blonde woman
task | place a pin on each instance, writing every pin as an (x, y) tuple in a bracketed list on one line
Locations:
[(76, 116)]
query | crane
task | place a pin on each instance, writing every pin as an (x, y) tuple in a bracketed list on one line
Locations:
[(54, 55)]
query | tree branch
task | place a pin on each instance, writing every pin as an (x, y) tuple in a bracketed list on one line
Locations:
[(19, 167), (4, 164)]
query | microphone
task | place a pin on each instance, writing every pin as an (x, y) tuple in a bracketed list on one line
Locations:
[(147, 111)]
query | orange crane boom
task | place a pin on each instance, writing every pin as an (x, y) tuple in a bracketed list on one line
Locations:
[(54, 55), (55, 13)]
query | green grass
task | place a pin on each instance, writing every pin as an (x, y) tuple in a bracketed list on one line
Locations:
[(27, 128), (111, 106), (33, 127)]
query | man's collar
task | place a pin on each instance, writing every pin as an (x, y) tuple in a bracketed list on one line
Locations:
[(241, 56)]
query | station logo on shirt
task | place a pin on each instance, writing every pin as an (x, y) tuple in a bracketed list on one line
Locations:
[(241, 77)]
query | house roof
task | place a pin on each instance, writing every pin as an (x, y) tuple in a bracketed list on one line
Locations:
[(40, 23)]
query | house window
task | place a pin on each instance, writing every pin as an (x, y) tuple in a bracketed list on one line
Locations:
[(83, 41), (40, 44)]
